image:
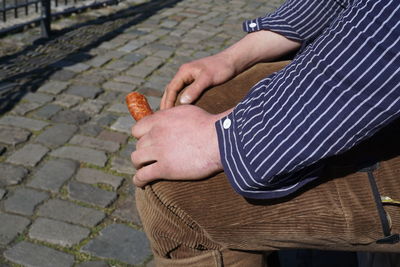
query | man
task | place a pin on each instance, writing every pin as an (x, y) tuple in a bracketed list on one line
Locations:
[(280, 140)]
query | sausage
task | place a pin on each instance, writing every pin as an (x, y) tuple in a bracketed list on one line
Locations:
[(138, 105)]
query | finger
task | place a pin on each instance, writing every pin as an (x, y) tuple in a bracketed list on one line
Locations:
[(143, 142), (143, 157), (143, 126), (193, 91), (147, 174), (180, 80)]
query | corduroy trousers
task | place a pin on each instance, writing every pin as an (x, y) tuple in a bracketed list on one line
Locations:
[(206, 223)]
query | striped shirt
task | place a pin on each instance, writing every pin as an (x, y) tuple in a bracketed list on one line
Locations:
[(341, 88)]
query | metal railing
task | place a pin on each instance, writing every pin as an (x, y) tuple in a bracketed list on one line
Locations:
[(18, 14)]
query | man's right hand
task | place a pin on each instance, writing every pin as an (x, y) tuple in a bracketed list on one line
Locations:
[(196, 76)]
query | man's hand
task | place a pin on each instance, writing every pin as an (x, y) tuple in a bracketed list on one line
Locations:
[(197, 75), (176, 144)]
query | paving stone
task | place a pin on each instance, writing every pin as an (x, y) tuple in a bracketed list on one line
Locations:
[(11, 175), (113, 136), (90, 129), (130, 79), (68, 101), (118, 87), (140, 71), (99, 61), (131, 46), (120, 242), (13, 136), (63, 75), (92, 176), (53, 87), (71, 116), (21, 122), (29, 155), (79, 67), (93, 264), (123, 124), (53, 174), (11, 226), (94, 78), (112, 96), (125, 208), (46, 112), (81, 154), (90, 194), (91, 106), (91, 142), (133, 58), (38, 98), (154, 102), (128, 149), (119, 65), (69, 212), (86, 91), (24, 108), (118, 108), (58, 233), (105, 119), (56, 135), (2, 193), (122, 165), (34, 255), (24, 200)]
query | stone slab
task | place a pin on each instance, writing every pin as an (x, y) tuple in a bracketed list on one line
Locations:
[(53, 174), (29, 155), (118, 87), (91, 129), (71, 117), (91, 106), (81, 154), (68, 101), (24, 201), (11, 175), (33, 255), (38, 97), (95, 143), (53, 87), (122, 165), (21, 122), (90, 194), (86, 91), (93, 176), (58, 233), (24, 108), (13, 136), (123, 124), (56, 135), (11, 227), (120, 242), (118, 108), (113, 136), (46, 112), (70, 212)]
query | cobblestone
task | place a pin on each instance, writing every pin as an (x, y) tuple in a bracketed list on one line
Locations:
[(79, 67), (118, 108), (90, 194), (53, 174), (58, 233), (81, 154), (24, 200), (63, 75), (69, 212), (120, 242), (11, 227), (34, 255), (122, 165), (92, 176), (91, 142), (68, 101), (105, 119), (118, 87), (93, 264), (56, 135), (2, 193), (11, 175), (24, 108), (91, 106), (13, 136), (29, 155), (113, 136), (86, 91), (46, 112), (90, 129), (71, 116), (22, 122), (40, 98), (53, 87), (123, 124)]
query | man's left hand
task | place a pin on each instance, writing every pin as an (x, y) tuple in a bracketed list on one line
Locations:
[(176, 144)]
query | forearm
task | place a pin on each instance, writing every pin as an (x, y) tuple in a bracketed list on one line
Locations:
[(261, 46)]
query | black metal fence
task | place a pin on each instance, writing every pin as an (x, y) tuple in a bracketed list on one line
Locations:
[(18, 14)]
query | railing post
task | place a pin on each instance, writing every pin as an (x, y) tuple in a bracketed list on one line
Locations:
[(45, 22)]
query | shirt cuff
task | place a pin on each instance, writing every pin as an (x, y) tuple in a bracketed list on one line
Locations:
[(241, 175)]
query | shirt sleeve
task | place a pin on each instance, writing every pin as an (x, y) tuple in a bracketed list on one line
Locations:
[(340, 90), (299, 20)]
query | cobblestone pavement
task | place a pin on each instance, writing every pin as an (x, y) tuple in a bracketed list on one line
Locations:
[(66, 197)]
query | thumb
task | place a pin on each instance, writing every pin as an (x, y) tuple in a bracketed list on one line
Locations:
[(193, 91)]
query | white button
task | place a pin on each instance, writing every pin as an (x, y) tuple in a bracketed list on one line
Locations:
[(252, 25), (227, 123)]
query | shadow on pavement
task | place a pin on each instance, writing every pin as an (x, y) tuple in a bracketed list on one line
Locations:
[(25, 71)]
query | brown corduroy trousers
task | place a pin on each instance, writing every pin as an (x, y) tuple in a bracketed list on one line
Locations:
[(206, 223)]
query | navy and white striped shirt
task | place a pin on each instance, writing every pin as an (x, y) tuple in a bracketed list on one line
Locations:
[(340, 89)]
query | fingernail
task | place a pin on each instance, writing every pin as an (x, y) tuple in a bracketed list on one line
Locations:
[(185, 99)]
